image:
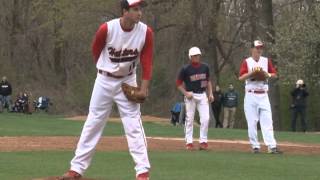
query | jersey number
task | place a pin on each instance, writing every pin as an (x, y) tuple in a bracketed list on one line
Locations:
[(132, 66)]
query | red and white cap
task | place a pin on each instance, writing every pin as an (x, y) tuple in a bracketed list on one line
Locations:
[(257, 44), (133, 3)]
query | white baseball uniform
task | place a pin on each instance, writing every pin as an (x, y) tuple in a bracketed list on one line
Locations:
[(201, 103), (256, 103), (117, 53)]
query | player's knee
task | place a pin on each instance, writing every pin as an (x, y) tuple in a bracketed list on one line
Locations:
[(205, 118)]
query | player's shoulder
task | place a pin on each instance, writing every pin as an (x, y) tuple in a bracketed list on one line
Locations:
[(186, 66), (113, 21), (142, 26), (112, 24), (204, 65), (245, 58)]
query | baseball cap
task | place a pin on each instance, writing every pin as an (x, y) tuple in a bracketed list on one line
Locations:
[(132, 3), (194, 51), (257, 44), (300, 82)]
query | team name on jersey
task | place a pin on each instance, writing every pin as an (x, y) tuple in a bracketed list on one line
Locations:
[(125, 55), (125, 52), (197, 77)]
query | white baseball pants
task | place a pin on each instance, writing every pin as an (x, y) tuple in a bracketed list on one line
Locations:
[(199, 101), (257, 108), (106, 91)]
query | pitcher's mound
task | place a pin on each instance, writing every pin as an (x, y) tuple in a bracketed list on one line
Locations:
[(57, 178)]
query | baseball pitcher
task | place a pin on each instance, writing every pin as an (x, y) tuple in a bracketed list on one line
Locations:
[(194, 83), (118, 47), (255, 71)]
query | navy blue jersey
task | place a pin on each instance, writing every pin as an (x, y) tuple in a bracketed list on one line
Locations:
[(195, 78)]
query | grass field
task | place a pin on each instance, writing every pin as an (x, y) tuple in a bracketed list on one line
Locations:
[(46, 125), (165, 165)]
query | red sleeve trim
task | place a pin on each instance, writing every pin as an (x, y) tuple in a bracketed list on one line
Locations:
[(243, 68), (271, 68), (99, 41), (179, 82), (146, 56)]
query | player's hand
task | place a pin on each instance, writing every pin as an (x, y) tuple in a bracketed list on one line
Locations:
[(189, 95), (143, 93), (268, 75), (211, 98)]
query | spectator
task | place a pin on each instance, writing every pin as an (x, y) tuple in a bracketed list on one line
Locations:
[(230, 103), (216, 105), (298, 106), (22, 103), (178, 113), (42, 103), (5, 94)]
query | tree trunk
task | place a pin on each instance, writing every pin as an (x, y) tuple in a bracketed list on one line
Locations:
[(13, 30), (252, 12), (58, 43), (267, 22)]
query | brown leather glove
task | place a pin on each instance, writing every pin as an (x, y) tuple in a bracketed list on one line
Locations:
[(259, 74), (132, 94)]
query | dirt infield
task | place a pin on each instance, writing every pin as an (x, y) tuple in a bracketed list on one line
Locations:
[(68, 143)]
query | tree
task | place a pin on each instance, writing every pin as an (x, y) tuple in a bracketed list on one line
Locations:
[(269, 37)]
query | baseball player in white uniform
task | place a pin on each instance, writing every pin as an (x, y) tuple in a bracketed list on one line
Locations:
[(256, 102), (119, 46), (194, 83)]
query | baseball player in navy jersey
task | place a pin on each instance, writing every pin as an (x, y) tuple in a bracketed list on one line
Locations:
[(256, 102), (118, 47), (194, 83)]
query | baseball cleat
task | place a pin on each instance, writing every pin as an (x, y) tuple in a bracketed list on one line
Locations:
[(71, 175), (274, 151), (189, 146), (203, 146), (256, 150), (143, 176)]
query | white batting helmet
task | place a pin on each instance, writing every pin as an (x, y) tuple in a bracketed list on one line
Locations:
[(194, 51), (300, 82)]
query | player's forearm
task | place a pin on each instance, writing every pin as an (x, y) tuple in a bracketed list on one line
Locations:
[(144, 86), (209, 89), (273, 75), (182, 89), (244, 76)]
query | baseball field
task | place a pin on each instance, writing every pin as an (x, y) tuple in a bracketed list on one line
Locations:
[(39, 146)]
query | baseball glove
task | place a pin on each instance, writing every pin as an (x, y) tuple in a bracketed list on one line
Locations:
[(259, 74), (131, 93)]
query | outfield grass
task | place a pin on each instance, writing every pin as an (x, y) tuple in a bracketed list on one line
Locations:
[(46, 125), (166, 166)]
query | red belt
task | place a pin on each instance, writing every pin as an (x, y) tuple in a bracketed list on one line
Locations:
[(112, 75), (257, 91)]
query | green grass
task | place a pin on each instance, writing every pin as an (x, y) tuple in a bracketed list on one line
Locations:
[(166, 166), (47, 125)]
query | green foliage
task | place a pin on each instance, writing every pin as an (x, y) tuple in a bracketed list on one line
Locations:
[(297, 49)]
